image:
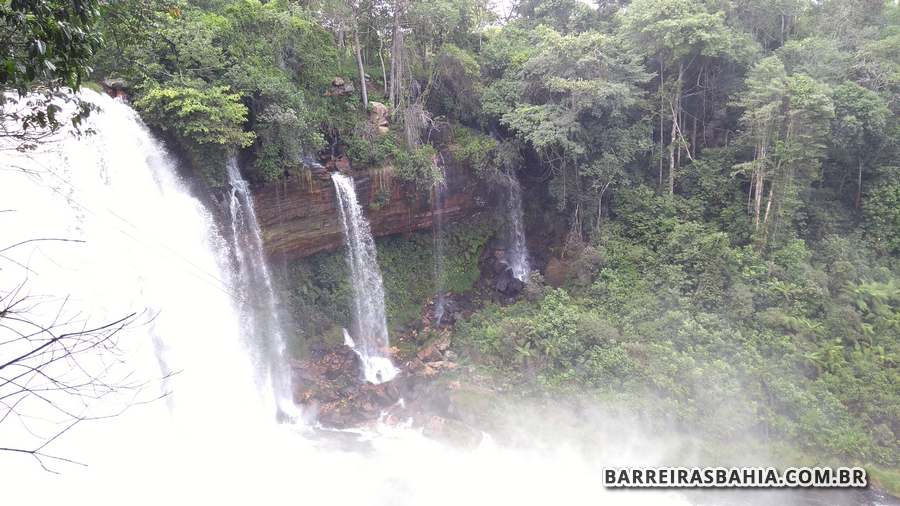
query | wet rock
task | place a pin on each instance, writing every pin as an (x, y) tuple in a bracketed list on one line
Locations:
[(338, 163), (330, 385), (507, 284), (442, 365), (115, 87), (432, 351)]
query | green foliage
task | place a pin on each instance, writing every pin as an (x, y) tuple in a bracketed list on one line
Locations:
[(678, 29), (205, 123), (211, 116), (570, 98), (882, 211), (274, 60), (418, 165), (456, 85), (370, 149), (797, 345), (45, 46), (47, 43), (319, 286), (475, 149)]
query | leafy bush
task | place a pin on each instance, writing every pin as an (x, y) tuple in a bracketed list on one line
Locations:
[(475, 149), (201, 120)]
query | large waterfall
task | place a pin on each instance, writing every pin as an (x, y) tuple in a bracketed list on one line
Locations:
[(260, 312), (369, 337), (518, 250), (148, 247)]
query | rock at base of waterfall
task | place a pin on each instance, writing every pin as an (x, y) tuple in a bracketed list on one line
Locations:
[(432, 351), (329, 385), (441, 311), (497, 273)]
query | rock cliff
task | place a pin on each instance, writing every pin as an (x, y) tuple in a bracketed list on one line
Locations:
[(300, 217)]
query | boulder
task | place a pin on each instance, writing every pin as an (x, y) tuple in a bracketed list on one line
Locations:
[(340, 87), (339, 163), (432, 351), (379, 117), (115, 87)]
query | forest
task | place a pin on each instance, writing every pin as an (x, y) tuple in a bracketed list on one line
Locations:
[(710, 189)]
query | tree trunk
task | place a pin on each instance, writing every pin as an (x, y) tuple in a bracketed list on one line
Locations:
[(362, 69), (396, 56), (766, 217), (661, 124), (600, 204), (676, 110), (384, 79), (694, 139), (859, 185), (760, 181)]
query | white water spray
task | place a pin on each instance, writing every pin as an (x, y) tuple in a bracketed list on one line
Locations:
[(518, 249), (369, 320), (261, 322)]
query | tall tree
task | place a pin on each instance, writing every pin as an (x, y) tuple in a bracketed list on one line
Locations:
[(859, 130), (762, 102), (676, 36)]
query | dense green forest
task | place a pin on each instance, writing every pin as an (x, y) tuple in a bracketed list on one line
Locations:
[(719, 179)]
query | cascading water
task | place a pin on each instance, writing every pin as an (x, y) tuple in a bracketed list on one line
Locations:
[(369, 337), (518, 249), (151, 248), (437, 229), (261, 322), (147, 247)]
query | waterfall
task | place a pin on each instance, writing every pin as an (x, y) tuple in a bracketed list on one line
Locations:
[(134, 241), (150, 247), (369, 320), (261, 322), (437, 229), (518, 249)]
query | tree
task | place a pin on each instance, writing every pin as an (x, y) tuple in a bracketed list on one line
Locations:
[(265, 64), (54, 369), (859, 129), (677, 35), (573, 100), (47, 47), (762, 102)]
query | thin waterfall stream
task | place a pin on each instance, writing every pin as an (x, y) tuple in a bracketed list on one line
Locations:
[(438, 202), (518, 248), (369, 334)]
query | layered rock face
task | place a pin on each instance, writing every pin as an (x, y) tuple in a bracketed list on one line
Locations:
[(301, 218)]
